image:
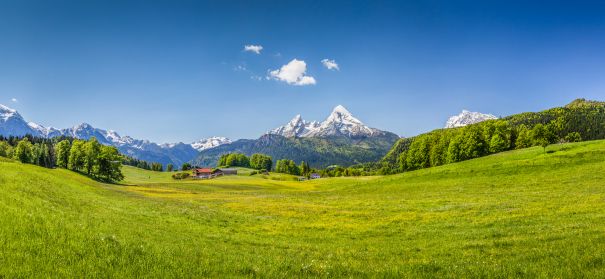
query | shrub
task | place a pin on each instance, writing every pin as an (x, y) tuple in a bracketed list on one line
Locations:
[(180, 175)]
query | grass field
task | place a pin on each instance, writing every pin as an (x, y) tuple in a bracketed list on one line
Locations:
[(515, 214)]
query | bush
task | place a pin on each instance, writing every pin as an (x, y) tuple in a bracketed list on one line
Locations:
[(180, 175)]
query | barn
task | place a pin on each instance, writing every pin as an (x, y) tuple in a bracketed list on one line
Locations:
[(229, 171)]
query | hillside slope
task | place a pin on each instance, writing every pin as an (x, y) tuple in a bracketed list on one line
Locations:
[(514, 214), (579, 120)]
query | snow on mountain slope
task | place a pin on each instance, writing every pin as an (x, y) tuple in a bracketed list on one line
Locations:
[(466, 118), (297, 127), (6, 113), (339, 123), (208, 143), (342, 123), (13, 124)]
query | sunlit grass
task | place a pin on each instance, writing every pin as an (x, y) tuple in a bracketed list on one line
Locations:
[(516, 214)]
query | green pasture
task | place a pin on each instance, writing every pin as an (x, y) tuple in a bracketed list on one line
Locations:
[(522, 213)]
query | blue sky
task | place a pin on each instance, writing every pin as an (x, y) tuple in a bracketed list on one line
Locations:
[(177, 70)]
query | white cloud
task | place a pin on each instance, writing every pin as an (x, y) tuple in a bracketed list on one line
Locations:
[(330, 64), (293, 73), (253, 48), (14, 100)]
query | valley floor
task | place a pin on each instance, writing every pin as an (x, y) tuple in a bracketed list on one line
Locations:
[(515, 214)]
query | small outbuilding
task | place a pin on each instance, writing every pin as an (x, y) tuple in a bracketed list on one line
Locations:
[(228, 171), (314, 176)]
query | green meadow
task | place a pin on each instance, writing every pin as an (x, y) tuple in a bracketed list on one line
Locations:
[(522, 213)]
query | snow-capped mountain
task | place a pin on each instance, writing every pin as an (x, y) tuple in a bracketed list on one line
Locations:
[(13, 124), (466, 118), (340, 123), (208, 143), (341, 139)]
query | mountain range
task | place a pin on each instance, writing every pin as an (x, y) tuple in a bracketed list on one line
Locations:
[(13, 124), (341, 139)]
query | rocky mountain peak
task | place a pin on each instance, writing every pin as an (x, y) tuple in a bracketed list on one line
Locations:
[(340, 122)]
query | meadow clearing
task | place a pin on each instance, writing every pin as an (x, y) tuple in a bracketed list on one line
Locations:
[(522, 213)]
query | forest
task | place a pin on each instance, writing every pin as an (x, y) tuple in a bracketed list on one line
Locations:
[(579, 120)]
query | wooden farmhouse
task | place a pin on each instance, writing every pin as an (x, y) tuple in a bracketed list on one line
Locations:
[(207, 173)]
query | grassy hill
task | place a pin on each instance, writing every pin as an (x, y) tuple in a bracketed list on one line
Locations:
[(522, 213)]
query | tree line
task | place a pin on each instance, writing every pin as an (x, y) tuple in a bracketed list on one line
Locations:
[(289, 167), (85, 156), (256, 161), (264, 162), (152, 166)]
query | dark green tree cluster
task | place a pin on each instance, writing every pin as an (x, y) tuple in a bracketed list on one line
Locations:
[(261, 162), (186, 167), (290, 167), (37, 151), (129, 161), (89, 157), (256, 161), (92, 158), (157, 167), (337, 171), (234, 160), (6, 150), (287, 166)]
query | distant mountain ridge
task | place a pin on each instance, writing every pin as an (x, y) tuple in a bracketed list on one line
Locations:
[(13, 124), (341, 139)]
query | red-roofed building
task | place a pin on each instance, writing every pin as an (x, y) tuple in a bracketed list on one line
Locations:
[(202, 173), (206, 173)]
